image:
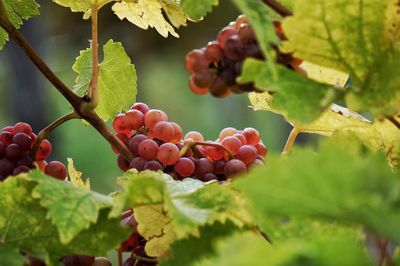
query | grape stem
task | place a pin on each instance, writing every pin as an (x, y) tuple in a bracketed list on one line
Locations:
[(394, 121), (126, 214), (382, 248), (290, 141), (82, 106), (119, 258), (192, 144), (46, 131), (279, 8), (93, 89), (140, 258)]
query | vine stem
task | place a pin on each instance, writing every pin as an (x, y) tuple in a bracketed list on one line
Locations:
[(394, 121), (383, 248), (290, 141), (280, 9), (81, 106), (191, 144), (46, 131), (119, 258), (93, 90)]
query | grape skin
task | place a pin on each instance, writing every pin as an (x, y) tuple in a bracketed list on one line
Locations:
[(168, 154)]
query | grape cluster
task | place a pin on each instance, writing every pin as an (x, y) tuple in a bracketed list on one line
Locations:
[(135, 244), (159, 145), (16, 145), (214, 68)]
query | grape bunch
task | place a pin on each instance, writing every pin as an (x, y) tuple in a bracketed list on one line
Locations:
[(135, 244), (159, 145), (16, 148), (214, 68)]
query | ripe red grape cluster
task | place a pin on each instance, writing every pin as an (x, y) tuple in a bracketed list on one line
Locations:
[(157, 144), (214, 68), (16, 145)]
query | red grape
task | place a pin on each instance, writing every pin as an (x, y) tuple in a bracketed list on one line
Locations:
[(148, 149), (214, 52), (252, 135), (261, 149), (203, 166), (232, 143), (168, 154), (196, 89), (196, 60), (44, 150), (177, 133), (234, 167), (23, 140), (22, 127), (122, 163), (134, 142), (14, 152), (134, 119), (184, 167), (247, 154), (142, 107), (154, 116), (163, 131), (56, 169), (194, 135), (224, 35), (119, 125), (153, 165), (138, 163), (226, 132)]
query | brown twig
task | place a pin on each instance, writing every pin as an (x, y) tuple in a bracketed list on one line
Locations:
[(394, 121), (80, 105), (120, 263), (383, 248), (280, 9), (46, 131)]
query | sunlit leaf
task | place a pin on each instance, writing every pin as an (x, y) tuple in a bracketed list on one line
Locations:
[(117, 79)]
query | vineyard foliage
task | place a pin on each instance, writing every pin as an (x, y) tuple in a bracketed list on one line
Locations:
[(314, 206)]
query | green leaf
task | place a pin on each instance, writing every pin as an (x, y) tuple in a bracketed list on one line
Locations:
[(84, 6), (356, 37), (299, 99), (167, 210), (17, 11), (149, 13), (71, 209), (333, 119), (324, 249), (117, 79), (189, 250), (337, 184), (197, 10), (24, 224), (11, 256)]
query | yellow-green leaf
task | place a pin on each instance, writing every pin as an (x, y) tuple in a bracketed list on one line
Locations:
[(149, 13), (75, 176)]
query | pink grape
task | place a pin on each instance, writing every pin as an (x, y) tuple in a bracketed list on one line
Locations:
[(168, 154), (148, 149), (184, 167), (154, 116)]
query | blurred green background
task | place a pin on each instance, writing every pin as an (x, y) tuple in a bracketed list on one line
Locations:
[(59, 35)]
